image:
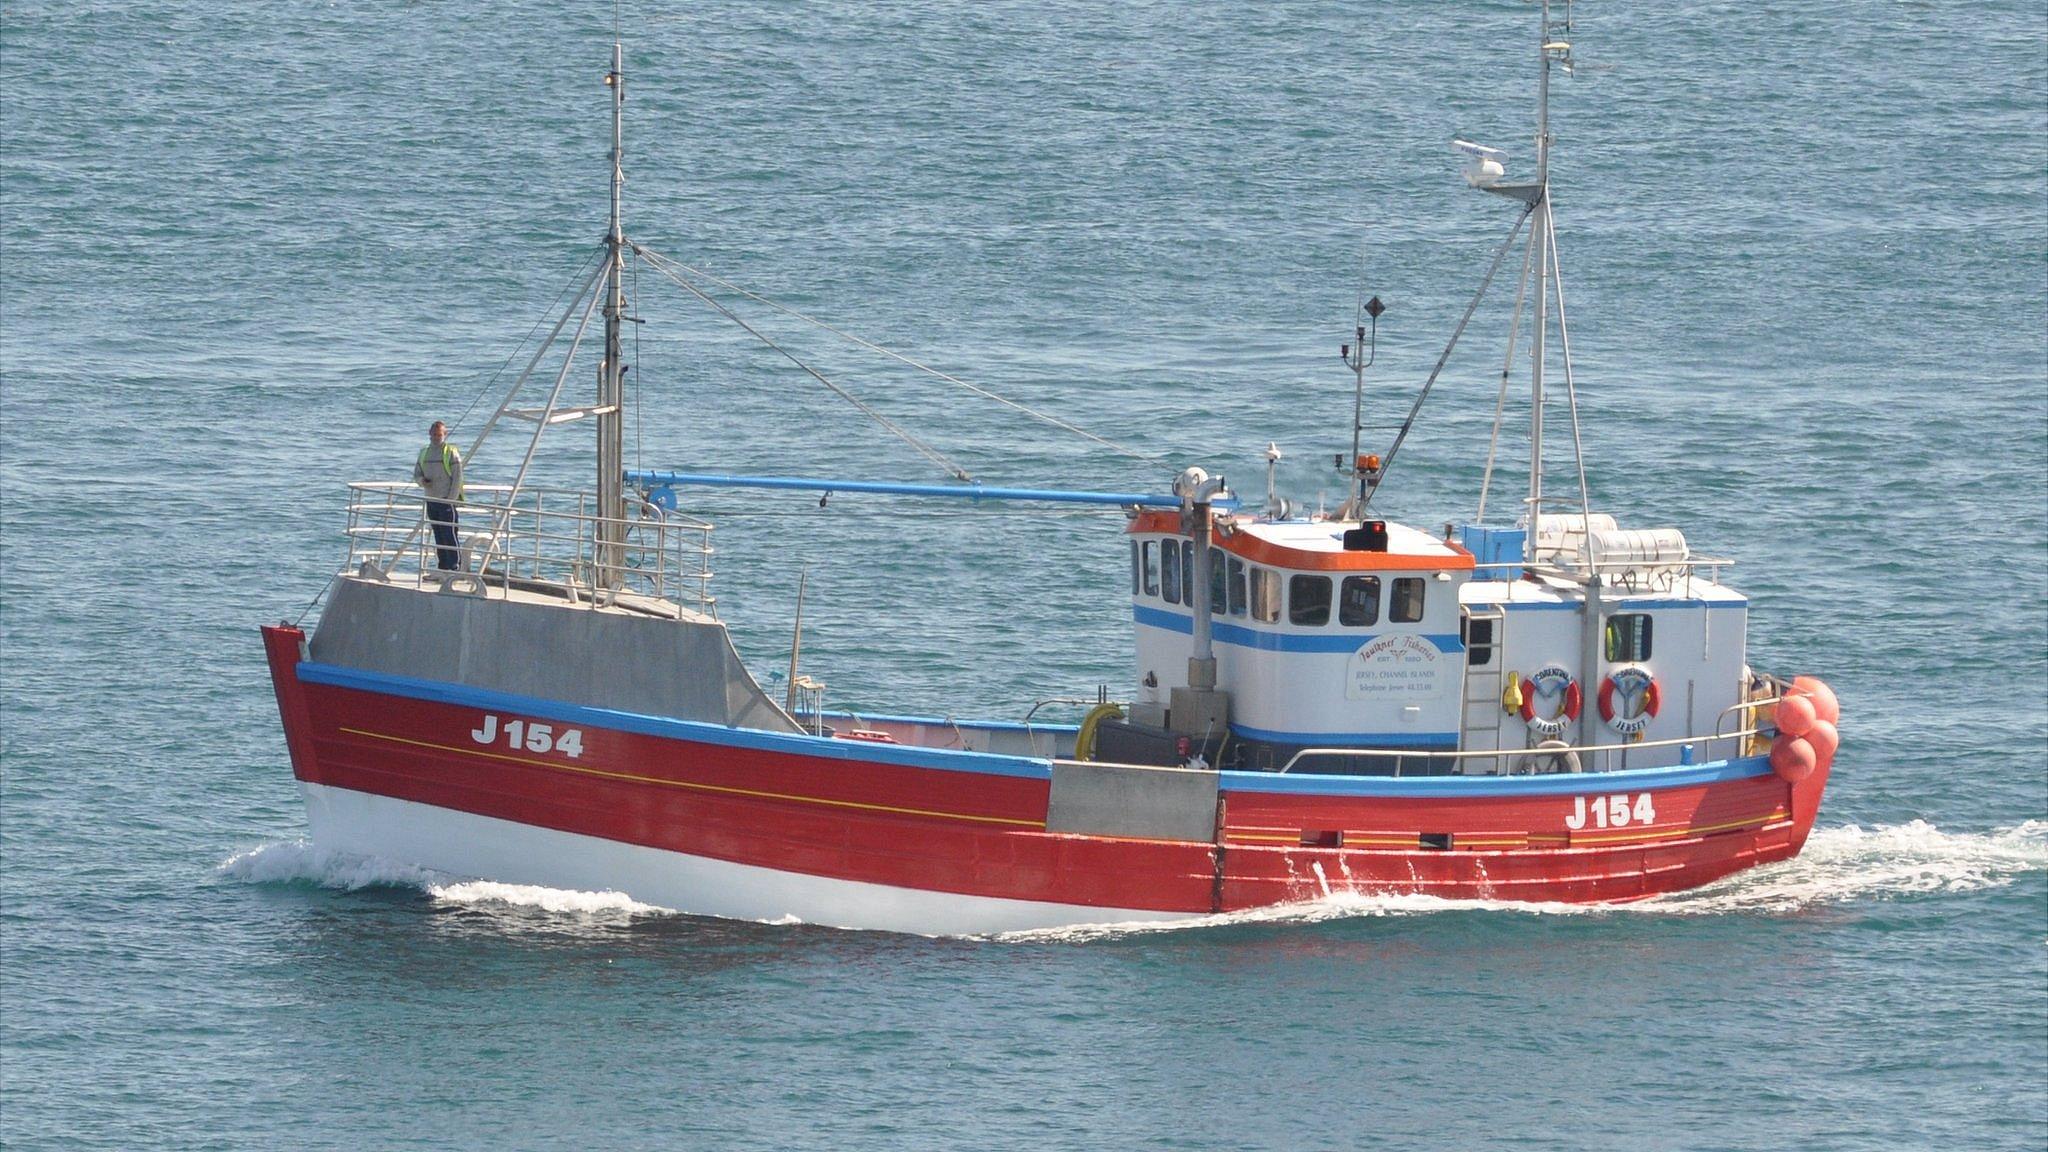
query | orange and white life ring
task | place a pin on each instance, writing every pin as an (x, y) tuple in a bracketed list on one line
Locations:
[(1552, 682), (1629, 684)]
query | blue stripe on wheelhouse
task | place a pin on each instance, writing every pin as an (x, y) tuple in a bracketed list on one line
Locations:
[(1258, 638)]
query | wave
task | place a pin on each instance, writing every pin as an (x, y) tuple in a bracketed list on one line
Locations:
[(1883, 862), (301, 862), (558, 900)]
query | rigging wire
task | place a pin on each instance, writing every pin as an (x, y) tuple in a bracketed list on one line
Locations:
[(1408, 424), (511, 394), (1564, 339), (310, 604), (1035, 414), (660, 264), (526, 373), (514, 354), (639, 421), (1507, 367), (541, 425)]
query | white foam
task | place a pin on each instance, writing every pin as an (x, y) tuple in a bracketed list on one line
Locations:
[(1837, 865), (1884, 862), (1340, 904), (558, 900), (301, 862)]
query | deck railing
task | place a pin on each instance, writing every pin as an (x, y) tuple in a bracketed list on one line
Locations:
[(1627, 575), (544, 536), (1559, 757)]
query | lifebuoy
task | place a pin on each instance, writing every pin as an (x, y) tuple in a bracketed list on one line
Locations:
[(1551, 680), (1626, 683)]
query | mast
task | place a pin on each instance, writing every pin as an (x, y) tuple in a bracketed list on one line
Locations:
[(1539, 240), (1358, 357), (611, 373)]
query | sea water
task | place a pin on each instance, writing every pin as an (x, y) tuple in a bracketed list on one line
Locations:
[(248, 252)]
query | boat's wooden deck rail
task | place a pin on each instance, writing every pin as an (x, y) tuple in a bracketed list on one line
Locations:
[(534, 536)]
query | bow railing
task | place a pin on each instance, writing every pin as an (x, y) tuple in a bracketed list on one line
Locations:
[(504, 538)]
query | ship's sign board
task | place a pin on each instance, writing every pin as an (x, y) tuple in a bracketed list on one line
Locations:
[(1397, 668)]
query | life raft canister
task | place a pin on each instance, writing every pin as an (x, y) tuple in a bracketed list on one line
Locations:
[(1628, 684), (1551, 681)]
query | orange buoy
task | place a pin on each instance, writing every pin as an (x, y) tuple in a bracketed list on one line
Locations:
[(1825, 740), (1796, 715), (1792, 758), (1825, 706)]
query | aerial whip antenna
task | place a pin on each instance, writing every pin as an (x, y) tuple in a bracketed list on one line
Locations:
[(1365, 470)]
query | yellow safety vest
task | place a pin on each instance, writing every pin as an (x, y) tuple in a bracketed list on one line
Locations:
[(447, 464)]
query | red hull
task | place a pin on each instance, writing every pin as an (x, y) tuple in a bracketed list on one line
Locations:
[(845, 811)]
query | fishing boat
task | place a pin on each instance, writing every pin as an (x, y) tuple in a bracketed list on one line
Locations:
[(1546, 707)]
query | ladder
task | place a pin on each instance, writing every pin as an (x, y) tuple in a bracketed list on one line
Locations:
[(1484, 627)]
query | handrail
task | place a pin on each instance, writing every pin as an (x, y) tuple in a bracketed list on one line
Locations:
[(532, 535), (1478, 753), (1610, 565), (1706, 567), (1075, 701)]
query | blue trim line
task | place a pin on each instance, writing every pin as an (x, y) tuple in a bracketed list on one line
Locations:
[(1265, 641), (1364, 741), (441, 692), (1463, 787), (1171, 621)]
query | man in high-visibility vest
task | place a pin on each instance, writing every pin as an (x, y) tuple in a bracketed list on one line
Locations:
[(439, 471)]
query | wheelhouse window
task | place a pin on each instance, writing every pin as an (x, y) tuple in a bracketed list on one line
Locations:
[(1265, 595), (1187, 572), (1628, 638), (1407, 605), (1237, 590), (1217, 602), (1170, 571), (1478, 638), (1137, 570), (1308, 601), (1358, 602), (1151, 567)]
